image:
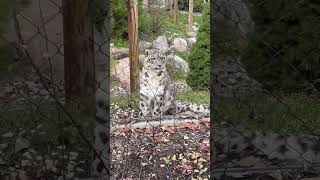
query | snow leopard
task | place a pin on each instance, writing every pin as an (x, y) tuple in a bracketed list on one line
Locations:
[(156, 88), (157, 91)]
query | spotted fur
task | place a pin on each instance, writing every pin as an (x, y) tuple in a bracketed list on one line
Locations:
[(157, 90)]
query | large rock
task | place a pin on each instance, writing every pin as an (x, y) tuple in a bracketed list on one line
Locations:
[(121, 71), (143, 45), (119, 52), (192, 34), (235, 13), (178, 63), (180, 44), (232, 78), (21, 143), (191, 41), (161, 43)]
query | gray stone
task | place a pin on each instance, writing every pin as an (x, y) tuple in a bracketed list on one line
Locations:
[(27, 155), (143, 45), (229, 72), (192, 34), (119, 52), (180, 44), (121, 71), (178, 63), (160, 43), (191, 41), (21, 143), (8, 135)]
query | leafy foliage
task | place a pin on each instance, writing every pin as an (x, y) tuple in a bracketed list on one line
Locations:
[(284, 50), (119, 19), (199, 59), (197, 5)]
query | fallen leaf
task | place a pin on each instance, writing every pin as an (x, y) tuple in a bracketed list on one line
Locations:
[(186, 168), (187, 125)]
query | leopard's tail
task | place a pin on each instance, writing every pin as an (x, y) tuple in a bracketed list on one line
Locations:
[(202, 109)]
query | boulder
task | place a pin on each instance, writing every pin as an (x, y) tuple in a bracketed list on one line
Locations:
[(192, 34), (180, 44), (161, 43), (178, 63), (121, 71), (191, 41), (119, 52), (143, 45)]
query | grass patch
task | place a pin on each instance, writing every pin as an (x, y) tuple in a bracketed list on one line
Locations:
[(198, 97), (119, 42), (183, 17), (176, 74), (114, 81), (163, 24), (125, 101), (290, 114)]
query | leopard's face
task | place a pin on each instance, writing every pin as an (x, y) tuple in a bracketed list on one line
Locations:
[(155, 59)]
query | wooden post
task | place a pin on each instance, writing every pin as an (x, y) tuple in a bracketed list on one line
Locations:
[(133, 46), (190, 14), (79, 72), (175, 10)]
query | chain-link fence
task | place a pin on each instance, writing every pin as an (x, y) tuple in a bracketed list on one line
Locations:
[(162, 132), (55, 64), (265, 90), (265, 93), (49, 59)]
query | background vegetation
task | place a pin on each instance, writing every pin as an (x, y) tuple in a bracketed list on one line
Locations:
[(283, 53), (197, 5), (199, 59)]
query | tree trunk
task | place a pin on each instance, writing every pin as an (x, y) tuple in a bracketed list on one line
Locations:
[(190, 14), (171, 8), (78, 55), (133, 46), (175, 10)]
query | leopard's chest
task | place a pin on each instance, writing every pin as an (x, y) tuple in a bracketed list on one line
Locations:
[(153, 83)]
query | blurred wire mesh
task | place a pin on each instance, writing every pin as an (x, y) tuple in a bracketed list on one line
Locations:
[(266, 108), (41, 138)]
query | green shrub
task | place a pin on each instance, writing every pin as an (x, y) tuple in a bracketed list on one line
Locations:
[(119, 19), (283, 53), (197, 5), (199, 58), (154, 24)]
